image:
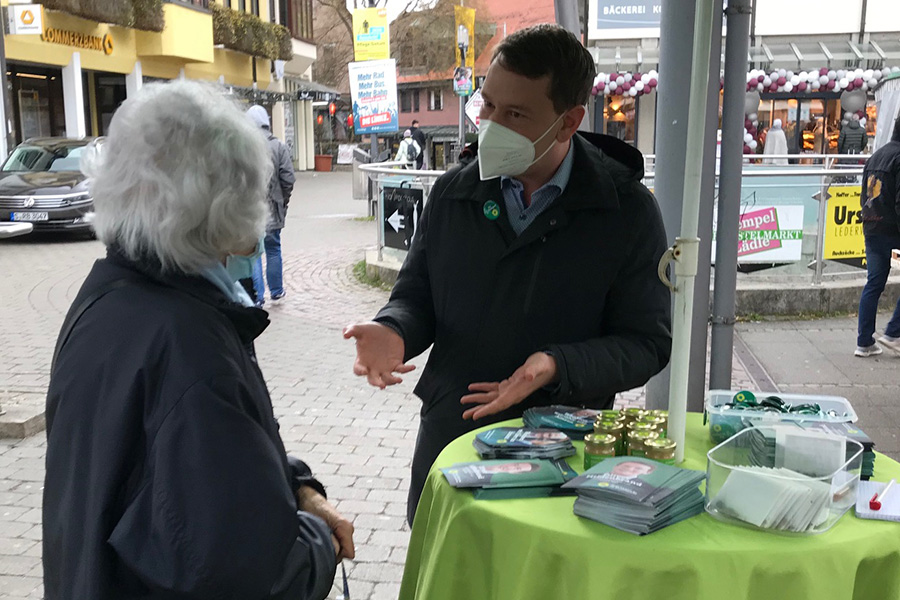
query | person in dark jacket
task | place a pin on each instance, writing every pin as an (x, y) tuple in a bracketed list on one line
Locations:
[(853, 138), (279, 194), (880, 200), (533, 270), (166, 475), (419, 136)]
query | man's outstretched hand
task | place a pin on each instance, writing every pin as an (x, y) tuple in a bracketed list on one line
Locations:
[(379, 353), (494, 397)]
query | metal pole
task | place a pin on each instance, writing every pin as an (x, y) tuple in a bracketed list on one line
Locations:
[(820, 231), (676, 33), (687, 244), (736, 49), (700, 324), (567, 15), (462, 123)]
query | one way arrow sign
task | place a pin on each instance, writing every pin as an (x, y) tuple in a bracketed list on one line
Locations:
[(396, 221)]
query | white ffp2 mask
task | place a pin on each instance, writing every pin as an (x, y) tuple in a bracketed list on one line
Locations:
[(503, 152)]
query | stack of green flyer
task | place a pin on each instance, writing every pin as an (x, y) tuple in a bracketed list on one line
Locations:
[(506, 479), (637, 495), (573, 421), (762, 443), (523, 443)]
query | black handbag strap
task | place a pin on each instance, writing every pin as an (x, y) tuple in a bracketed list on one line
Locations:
[(76, 316)]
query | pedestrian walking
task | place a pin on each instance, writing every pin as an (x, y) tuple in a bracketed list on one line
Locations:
[(533, 270), (279, 196), (880, 200), (409, 150), (419, 136), (166, 476)]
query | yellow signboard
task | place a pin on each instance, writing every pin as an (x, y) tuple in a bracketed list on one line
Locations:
[(843, 225), (371, 40), (465, 50), (82, 41)]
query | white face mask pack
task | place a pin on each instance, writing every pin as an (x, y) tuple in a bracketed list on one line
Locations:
[(503, 152)]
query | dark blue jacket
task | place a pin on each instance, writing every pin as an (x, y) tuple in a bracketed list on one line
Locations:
[(880, 196), (581, 283), (166, 475)]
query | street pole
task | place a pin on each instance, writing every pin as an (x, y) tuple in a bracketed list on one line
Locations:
[(676, 33), (736, 49), (700, 324), (685, 250)]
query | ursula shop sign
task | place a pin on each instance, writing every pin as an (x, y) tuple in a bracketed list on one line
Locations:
[(79, 40)]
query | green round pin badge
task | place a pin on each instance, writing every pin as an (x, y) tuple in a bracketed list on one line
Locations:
[(491, 210)]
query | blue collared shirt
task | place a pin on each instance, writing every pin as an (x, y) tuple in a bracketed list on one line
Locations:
[(521, 216)]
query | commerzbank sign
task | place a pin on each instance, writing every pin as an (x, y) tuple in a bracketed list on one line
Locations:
[(82, 41)]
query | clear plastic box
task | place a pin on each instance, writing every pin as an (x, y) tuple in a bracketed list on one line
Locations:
[(742, 452), (724, 422)]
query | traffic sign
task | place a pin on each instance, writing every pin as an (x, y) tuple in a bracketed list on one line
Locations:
[(402, 209)]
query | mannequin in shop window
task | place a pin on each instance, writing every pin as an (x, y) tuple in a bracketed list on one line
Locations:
[(776, 143)]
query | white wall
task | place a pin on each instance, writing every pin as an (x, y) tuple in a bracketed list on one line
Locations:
[(807, 17), (883, 15)]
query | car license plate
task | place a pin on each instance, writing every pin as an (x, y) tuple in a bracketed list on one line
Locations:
[(29, 216)]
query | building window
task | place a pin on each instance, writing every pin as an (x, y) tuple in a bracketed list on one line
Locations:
[(620, 118), (409, 101), (272, 11), (242, 5), (300, 19), (254, 7), (436, 99)]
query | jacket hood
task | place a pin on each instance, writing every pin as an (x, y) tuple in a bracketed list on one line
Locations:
[(853, 124)]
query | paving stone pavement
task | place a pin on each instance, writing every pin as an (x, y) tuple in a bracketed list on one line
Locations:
[(358, 440)]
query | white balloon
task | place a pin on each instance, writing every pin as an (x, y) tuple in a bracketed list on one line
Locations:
[(895, 69), (753, 144), (864, 87), (767, 81), (795, 80), (815, 84), (877, 74), (632, 92), (823, 80), (788, 87), (639, 86), (872, 82), (804, 75), (612, 86), (867, 74), (760, 87), (645, 78), (862, 122), (753, 116), (620, 80), (607, 91), (832, 74), (748, 138), (774, 75), (628, 77), (755, 123), (749, 77), (844, 82), (653, 74), (782, 72), (847, 116), (840, 74), (858, 72)]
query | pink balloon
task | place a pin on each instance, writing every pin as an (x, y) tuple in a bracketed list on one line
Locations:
[(773, 87), (601, 86), (781, 81), (761, 78), (858, 82), (747, 149), (823, 71), (652, 82), (626, 86), (830, 84), (752, 131), (613, 76), (802, 86)]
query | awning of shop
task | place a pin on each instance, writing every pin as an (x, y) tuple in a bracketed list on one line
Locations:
[(310, 90), (258, 96)]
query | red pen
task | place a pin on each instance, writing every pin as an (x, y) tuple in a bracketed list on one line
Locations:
[(877, 499)]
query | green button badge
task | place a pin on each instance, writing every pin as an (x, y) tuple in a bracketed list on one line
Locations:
[(491, 210)]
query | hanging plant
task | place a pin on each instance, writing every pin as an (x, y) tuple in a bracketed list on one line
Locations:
[(249, 34)]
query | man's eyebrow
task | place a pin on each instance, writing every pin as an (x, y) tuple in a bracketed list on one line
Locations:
[(514, 107)]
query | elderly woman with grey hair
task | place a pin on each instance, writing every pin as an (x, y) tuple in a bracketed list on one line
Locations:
[(166, 475)]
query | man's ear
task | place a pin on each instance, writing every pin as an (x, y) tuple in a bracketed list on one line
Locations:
[(571, 122)]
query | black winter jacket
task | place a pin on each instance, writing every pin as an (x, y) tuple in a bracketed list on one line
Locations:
[(166, 475), (581, 283), (880, 196)]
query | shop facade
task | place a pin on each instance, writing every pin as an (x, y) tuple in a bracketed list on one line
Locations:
[(70, 79), (804, 56)]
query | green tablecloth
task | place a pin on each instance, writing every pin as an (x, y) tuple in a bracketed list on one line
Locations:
[(537, 549)]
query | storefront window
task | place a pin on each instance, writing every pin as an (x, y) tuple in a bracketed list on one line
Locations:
[(619, 118), (811, 125), (37, 102)]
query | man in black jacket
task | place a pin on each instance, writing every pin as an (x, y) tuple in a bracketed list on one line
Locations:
[(532, 271), (419, 136), (880, 200)]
